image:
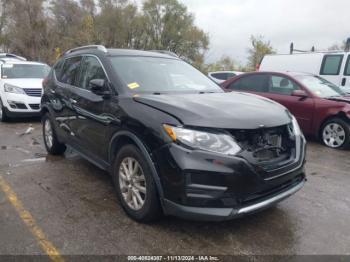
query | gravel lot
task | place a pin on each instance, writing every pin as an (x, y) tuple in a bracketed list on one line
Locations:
[(74, 205)]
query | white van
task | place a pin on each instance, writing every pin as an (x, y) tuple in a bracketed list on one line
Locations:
[(333, 66)]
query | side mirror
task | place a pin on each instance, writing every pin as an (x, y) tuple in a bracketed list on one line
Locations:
[(299, 93), (99, 87)]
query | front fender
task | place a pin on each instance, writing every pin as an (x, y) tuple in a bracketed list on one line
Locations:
[(143, 149)]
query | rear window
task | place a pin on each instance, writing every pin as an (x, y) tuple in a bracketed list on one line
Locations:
[(331, 64), (15, 71)]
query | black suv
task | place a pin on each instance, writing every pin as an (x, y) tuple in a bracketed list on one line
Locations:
[(172, 140)]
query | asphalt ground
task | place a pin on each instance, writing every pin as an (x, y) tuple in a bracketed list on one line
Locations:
[(67, 206)]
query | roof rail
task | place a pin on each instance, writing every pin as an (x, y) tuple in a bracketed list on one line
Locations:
[(9, 55), (313, 50), (98, 47), (165, 52)]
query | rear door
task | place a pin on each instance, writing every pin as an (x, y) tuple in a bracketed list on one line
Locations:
[(345, 80), (65, 111), (92, 110)]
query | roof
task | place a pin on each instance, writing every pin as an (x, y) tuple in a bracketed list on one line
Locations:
[(120, 52)]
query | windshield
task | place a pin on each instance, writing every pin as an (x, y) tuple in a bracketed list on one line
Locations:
[(161, 75), (13, 71), (320, 87)]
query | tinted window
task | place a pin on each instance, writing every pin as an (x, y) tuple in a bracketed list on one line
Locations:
[(331, 64), (91, 69), (13, 71), (70, 70), (282, 85), (229, 75), (223, 76), (255, 83), (347, 67)]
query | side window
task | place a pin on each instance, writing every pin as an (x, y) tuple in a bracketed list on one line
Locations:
[(254, 83), (91, 69), (331, 64), (230, 75), (347, 67), (70, 70), (282, 85), (221, 76), (58, 69)]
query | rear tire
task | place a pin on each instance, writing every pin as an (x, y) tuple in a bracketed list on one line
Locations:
[(3, 114), (135, 186), (335, 133), (53, 146)]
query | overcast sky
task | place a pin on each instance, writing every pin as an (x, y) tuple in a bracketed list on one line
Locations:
[(230, 23)]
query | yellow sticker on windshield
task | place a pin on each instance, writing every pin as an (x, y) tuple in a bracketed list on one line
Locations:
[(133, 85)]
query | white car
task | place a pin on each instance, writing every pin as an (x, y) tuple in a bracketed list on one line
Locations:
[(21, 87), (333, 66), (221, 76)]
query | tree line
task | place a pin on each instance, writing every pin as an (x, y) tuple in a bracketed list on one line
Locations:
[(42, 29)]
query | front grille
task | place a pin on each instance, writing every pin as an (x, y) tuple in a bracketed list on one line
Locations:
[(33, 91), (267, 149), (34, 106)]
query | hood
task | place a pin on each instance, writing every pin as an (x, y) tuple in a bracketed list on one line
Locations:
[(220, 110), (25, 82)]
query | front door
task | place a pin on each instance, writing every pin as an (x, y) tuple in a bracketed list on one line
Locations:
[(280, 89), (92, 121)]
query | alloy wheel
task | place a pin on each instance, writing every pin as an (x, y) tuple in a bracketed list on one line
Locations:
[(132, 183), (334, 135), (48, 133)]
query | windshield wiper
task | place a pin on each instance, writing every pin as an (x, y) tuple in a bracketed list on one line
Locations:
[(207, 92)]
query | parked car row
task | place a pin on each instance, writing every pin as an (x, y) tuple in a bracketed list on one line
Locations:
[(333, 66), (20, 86), (173, 141)]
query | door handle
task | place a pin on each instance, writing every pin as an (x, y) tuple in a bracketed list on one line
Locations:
[(343, 81)]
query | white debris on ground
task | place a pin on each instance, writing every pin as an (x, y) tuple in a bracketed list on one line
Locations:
[(29, 130)]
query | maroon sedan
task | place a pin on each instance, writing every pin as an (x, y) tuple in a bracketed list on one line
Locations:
[(321, 108)]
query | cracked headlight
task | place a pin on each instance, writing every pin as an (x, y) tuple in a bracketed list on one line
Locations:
[(213, 142), (13, 89)]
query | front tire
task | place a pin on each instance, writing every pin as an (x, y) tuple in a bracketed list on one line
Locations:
[(135, 185), (53, 146), (335, 134), (3, 115)]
